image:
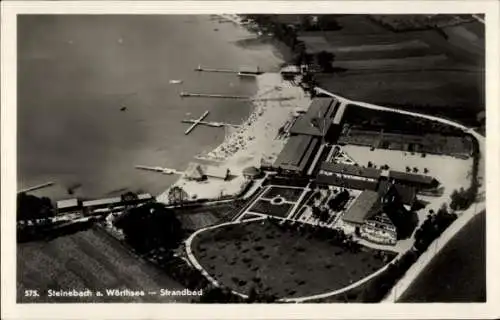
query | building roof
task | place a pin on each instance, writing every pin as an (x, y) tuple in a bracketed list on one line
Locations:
[(407, 194), (215, 171), (363, 208), (194, 171), (99, 202), (357, 184), (318, 118), (251, 171), (351, 170), (144, 196), (297, 152), (411, 177), (69, 203)]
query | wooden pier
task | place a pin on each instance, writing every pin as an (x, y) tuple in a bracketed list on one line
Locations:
[(211, 95), (37, 187), (196, 122), (242, 72), (158, 169), (200, 121)]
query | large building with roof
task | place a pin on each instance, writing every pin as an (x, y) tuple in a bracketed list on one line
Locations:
[(348, 176), (377, 218), (318, 119), (306, 135), (297, 154)]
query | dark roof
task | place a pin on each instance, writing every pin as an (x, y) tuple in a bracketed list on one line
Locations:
[(296, 153), (363, 208), (411, 177), (351, 169), (406, 193), (346, 182), (318, 118)]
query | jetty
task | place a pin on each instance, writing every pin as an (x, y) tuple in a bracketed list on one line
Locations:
[(37, 187), (211, 123), (242, 71), (196, 122), (158, 169), (212, 95)]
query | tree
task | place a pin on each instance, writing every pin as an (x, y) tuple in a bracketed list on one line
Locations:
[(150, 226), (426, 170), (316, 212), (324, 60), (30, 207), (370, 164), (177, 195), (408, 169)]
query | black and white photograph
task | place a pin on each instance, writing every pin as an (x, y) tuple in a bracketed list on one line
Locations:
[(249, 157)]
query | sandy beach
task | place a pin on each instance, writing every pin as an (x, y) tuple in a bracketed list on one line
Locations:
[(275, 103)]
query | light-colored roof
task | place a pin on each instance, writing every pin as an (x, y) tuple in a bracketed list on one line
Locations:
[(144, 196), (194, 171), (68, 203), (215, 171), (98, 202)]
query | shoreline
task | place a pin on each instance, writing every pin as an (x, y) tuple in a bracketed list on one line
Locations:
[(254, 141)]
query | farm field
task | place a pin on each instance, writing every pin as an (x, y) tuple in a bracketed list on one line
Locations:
[(437, 71), (281, 262), (87, 259)]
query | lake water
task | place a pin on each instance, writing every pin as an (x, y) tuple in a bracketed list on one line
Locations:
[(76, 72)]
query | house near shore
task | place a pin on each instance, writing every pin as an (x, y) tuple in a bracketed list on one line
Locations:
[(198, 172)]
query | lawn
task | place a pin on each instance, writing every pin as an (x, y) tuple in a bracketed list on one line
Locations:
[(284, 262), (289, 194), (265, 206)]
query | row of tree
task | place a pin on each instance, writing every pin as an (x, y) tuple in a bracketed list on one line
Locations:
[(149, 227), (30, 207), (432, 228)]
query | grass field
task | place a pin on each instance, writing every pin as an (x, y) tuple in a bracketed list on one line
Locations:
[(91, 260), (279, 262)]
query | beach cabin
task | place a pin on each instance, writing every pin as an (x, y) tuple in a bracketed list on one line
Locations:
[(198, 172), (194, 172), (69, 205), (217, 172)]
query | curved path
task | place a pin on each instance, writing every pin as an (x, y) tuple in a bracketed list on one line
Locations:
[(465, 216), (423, 260), (198, 266)]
